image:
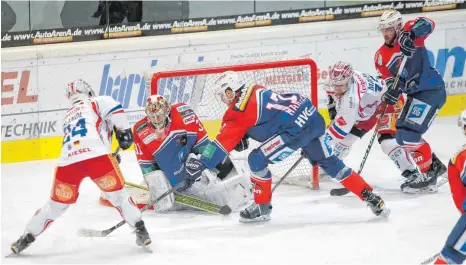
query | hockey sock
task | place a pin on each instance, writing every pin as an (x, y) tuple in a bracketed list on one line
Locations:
[(356, 184), (125, 205), (262, 188), (45, 216), (404, 158)]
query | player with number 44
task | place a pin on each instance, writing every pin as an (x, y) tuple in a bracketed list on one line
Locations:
[(86, 151)]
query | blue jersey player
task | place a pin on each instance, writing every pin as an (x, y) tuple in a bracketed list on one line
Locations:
[(283, 123)]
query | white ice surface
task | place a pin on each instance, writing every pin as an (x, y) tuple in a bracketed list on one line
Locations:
[(307, 227)]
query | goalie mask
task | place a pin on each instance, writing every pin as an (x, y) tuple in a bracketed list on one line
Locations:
[(340, 75), (462, 121), (226, 85), (158, 113), (78, 90)]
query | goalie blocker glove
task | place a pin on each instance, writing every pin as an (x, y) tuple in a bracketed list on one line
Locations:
[(124, 138)]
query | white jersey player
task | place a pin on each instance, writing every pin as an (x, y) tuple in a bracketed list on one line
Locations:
[(355, 107), (86, 152)]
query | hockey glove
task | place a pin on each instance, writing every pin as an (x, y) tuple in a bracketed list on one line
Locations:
[(332, 111), (407, 43), (124, 138), (243, 144), (194, 169), (391, 96)]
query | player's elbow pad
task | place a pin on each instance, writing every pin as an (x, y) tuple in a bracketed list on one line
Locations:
[(125, 138)]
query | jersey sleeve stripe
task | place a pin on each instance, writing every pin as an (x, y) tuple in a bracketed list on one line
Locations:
[(333, 131), (463, 173), (202, 140), (117, 109)]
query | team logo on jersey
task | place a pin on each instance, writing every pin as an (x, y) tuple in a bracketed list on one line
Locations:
[(141, 126), (187, 112), (243, 99), (106, 183), (149, 138), (182, 108), (188, 120), (379, 60), (341, 121), (272, 145), (417, 112)]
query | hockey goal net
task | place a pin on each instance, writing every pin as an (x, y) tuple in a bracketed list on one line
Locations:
[(193, 85)]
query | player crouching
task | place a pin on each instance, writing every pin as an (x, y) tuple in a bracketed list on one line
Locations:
[(454, 251), (85, 151), (167, 138), (283, 123)]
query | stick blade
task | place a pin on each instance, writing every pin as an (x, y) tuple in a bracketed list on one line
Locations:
[(92, 233), (225, 210)]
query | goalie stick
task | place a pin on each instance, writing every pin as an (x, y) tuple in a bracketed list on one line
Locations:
[(344, 191), (102, 233), (192, 201), (430, 260)]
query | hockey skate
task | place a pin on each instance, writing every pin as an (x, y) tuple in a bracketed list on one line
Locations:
[(437, 170), (256, 213), (22, 243), (417, 182), (376, 203), (142, 236)]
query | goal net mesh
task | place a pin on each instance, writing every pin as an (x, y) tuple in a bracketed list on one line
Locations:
[(193, 86)]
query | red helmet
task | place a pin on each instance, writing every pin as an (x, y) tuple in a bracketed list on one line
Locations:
[(340, 74)]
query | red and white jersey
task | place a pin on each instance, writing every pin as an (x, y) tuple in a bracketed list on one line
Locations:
[(87, 129), (358, 103), (457, 178)]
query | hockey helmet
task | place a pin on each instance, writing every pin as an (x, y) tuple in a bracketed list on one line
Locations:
[(226, 85), (340, 76), (391, 19), (158, 112), (78, 90)]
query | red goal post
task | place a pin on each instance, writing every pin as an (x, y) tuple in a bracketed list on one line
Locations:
[(191, 85)]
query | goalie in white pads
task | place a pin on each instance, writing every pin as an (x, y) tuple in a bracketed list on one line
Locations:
[(85, 151), (355, 106), (168, 137)]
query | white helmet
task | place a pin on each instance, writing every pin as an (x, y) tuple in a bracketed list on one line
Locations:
[(341, 73), (227, 80), (78, 90), (462, 121), (391, 19)]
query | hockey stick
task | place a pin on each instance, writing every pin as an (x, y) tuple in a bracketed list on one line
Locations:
[(102, 233), (430, 260), (192, 201), (288, 172), (344, 191)]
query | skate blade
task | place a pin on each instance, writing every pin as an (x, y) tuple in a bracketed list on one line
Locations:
[(442, 181), (385, 213), (147, 248), (262, 218), (426, 190)]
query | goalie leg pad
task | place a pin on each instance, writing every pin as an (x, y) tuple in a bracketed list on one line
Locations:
[(121, 200), (158, 184), (45, 216), (454, 251)]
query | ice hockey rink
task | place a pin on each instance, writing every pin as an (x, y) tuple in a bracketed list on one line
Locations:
[(307, 227)]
